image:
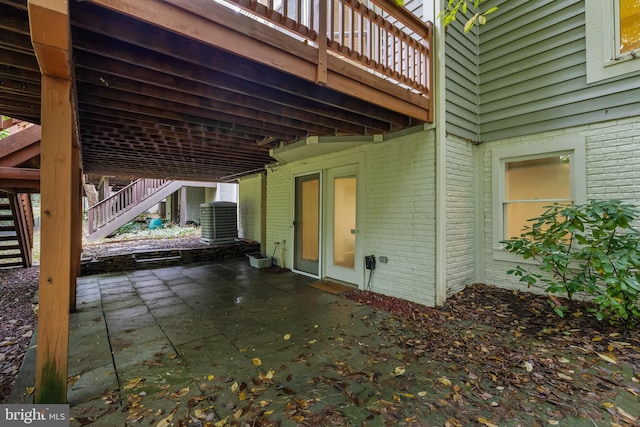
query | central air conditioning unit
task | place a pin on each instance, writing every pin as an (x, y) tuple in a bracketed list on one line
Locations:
[(219, 222)]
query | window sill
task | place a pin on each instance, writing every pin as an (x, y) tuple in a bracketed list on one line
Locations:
[(500, 254)]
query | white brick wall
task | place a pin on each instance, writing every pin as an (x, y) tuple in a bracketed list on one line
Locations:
[(461, 214), (195, 197), (612, 172), (227, 192), (398, 180), (279, 212), (249, 206), (399, 223)]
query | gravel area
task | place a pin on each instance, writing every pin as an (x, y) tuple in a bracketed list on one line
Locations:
[(117, 247)]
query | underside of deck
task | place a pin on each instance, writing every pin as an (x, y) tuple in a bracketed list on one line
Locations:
[(196, 90), (190, 90)]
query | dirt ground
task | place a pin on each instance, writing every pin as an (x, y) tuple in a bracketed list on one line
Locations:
[(17, 322), (492, 353)]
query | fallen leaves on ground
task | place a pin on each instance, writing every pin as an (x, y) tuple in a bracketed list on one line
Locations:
[(489, 357), (17, 322), (516, 361)]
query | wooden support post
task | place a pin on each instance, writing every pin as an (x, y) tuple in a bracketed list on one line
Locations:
[(56, 241), (51, 38), (321, 73)]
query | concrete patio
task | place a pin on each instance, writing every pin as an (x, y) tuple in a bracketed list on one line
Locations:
[(224, 344), (221, 340)]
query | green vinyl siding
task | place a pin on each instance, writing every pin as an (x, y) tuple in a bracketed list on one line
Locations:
[(532, 72), (461, 82), (529, 74)]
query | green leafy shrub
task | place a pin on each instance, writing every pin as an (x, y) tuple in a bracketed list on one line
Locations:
[(590, 249), (130, 227)]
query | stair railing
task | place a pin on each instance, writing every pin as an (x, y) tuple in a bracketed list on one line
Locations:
[(22, 212), (115, 205)]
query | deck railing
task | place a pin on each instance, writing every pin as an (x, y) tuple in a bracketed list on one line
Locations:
[(383, 38), (108, 209)]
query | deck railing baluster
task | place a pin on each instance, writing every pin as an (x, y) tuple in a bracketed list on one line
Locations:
[(393, 42)]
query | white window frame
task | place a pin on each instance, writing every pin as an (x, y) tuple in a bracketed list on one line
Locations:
[(570, 144), (603, 58)]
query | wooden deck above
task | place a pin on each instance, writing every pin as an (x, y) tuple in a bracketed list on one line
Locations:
[(200, 90)]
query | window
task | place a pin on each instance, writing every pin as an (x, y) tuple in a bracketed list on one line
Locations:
[(532, 184), (628, 26), (529, 176), (613, 38)]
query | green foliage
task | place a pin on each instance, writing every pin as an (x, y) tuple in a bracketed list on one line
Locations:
[(590, 249), (4, 132), (136, 231), (450, 12), (130, 227)]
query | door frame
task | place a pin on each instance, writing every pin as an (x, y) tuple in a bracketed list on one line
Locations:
[(354, 160)]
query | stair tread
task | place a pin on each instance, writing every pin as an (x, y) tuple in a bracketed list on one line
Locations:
[(11, 265), (9, 247)]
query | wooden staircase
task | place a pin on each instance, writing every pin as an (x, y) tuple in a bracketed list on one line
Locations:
[(106, 217), (19, 175), (16, 230)]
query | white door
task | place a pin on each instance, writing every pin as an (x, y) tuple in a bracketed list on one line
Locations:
[(343, 257)]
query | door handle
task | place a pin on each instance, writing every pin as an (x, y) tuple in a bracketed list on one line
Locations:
[(354, 231)]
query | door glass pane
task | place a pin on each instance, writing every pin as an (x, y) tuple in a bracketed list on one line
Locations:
[(629, 25), (310, 219), (344, 221)]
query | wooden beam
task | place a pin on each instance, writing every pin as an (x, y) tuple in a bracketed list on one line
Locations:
[(156, 110), (195, 79), (13, 20), (20, 173), (16, 42), (20, 185), (22, 155), (22, 76), (20, 147), (50, 35), (203, 63), (17, 85), (216, 25), (220, 100)]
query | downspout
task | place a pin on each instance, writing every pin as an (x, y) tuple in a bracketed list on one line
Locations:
[(441, 155)]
